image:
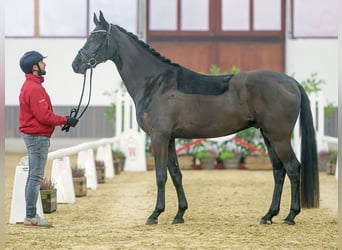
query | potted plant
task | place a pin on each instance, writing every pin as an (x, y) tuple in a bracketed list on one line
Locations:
[(229, 159), (257, 161), (100, 171), (185, 161), (327, 158), (253, 159), (229, 156), (186, 156), (207, 159), (118, 160), (80, 181), (48, 194)]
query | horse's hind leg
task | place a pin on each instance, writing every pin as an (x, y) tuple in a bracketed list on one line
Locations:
[(282, 148), (176, 177), (293, 172), (279, 176)]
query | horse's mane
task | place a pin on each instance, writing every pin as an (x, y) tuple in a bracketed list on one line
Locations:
[(147, 47)]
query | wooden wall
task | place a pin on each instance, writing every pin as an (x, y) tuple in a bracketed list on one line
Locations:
[(246, 55)]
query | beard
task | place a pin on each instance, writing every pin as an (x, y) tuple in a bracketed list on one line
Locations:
[(41, 72)]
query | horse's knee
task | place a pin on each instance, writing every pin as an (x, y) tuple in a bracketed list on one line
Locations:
[(177, 177), (161, 179)]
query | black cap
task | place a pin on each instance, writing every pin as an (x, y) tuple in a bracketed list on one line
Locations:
[(29, 59)]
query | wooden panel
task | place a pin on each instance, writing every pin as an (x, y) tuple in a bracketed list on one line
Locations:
[(93, 124), (245, 55), (197, 56), (251, 55)]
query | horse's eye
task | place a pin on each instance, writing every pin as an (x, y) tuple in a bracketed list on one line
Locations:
[(96, 37)]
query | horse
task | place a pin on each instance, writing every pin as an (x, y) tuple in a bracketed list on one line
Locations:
[(174, 102)]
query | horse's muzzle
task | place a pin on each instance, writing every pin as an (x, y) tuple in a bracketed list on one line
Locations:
[(78, 66)]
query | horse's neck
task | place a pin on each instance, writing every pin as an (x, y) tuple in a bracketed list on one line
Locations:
[(135, 64)]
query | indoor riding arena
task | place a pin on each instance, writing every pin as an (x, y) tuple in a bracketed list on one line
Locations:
[(224, 79)]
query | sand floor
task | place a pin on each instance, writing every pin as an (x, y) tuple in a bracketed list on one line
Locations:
[(225, 207)]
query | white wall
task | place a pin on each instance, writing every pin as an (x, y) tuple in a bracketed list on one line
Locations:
[(62, 84), (305, 56)]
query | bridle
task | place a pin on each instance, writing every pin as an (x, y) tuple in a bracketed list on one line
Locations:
[(91, 62)]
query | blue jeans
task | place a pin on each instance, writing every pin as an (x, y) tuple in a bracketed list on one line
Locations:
[(37, 147)]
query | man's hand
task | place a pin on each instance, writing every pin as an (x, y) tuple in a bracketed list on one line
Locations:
[(71, 122)]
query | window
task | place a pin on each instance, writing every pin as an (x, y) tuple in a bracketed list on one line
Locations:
[(235, 15), (267, 15), (163, 15), (65, 18), (19, 21), (315, 18), (122, 13), (178, 16), (62, 18), (194, 19), (210, 18)]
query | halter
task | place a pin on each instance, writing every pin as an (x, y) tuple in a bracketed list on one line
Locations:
[(91, 61)]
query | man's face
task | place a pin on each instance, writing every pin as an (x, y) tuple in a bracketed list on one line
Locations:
[(41, 67)]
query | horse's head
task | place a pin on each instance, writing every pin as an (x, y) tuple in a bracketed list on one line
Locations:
[(95, 50)]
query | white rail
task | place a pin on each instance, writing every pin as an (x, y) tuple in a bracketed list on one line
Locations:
[(81, 147)]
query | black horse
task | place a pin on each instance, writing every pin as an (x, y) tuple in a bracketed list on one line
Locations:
[(174, 102)]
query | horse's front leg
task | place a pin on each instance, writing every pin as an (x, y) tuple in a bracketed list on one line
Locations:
[(176, 176), (160, 148)]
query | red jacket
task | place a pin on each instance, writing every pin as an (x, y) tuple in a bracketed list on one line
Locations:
[(36, 115)]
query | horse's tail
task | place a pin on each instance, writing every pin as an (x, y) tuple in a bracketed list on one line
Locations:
[(309, 170)]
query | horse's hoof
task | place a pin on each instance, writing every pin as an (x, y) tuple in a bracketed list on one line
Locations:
[(289, 222), (263, 221), (151, 222), (178, 221)]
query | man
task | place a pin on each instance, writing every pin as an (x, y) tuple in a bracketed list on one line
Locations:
[(37, 123)]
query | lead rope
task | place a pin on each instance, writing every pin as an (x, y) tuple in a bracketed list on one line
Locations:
[(74, 111)]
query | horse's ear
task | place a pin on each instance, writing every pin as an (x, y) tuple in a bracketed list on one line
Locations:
[(96, 21), (103, 21)]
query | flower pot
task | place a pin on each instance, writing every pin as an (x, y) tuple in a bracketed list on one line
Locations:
[(324, 161), (258, 163), (185, 162), (100, 173), (331, 167), (119, 163), (208, 162), (231, 163), (80, 186), (117, 166), (49, 200)]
